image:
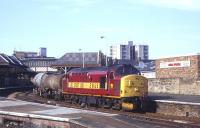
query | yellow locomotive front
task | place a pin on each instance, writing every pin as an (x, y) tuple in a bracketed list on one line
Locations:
[(133, 91)]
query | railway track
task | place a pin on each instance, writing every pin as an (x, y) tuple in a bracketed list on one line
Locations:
[(168, 121)]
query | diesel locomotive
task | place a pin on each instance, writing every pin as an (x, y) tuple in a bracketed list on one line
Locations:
[(117, 87)]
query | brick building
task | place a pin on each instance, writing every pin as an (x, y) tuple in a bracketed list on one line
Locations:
[(178, 67)]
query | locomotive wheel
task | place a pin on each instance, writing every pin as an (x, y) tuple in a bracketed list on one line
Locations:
[(84, 105), (117, 105), (58, 97), (99, 102), (107, 103), (67, 98)]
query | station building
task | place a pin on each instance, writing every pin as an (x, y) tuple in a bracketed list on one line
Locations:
[(40, 64), (179, 67), (13, 73), (36, 61)]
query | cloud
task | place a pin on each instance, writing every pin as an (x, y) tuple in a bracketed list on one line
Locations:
[(190, 5)]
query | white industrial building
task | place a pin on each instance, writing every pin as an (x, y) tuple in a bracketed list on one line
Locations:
[(142, 52), (129, 52), (123, 51)]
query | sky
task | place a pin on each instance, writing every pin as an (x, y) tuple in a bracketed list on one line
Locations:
[(169, 27)]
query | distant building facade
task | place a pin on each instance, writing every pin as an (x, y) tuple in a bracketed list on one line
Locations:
[(141, 52), (148, 74), (146, 65), (43, 52), (38, 62), (131, 52), (123, 51), (21, 54), (147, 68)]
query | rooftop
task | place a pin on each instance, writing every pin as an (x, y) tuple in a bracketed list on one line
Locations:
[(9, 60), (172, 56)]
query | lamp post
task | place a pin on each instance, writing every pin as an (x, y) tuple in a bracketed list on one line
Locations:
[(102, 37), (83, 58)]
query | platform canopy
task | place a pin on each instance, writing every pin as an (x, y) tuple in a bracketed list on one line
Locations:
[(87, 59)]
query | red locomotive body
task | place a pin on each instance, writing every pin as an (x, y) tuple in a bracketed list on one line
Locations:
[(93, 82), (119, 86)]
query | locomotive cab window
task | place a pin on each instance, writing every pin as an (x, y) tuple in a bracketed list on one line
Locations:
[(102, 82)]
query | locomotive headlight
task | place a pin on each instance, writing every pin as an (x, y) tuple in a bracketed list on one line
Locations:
[(136, 89)]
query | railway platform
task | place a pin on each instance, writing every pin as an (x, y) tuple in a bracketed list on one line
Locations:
[(176, 105), (175, 97), (28, 114)]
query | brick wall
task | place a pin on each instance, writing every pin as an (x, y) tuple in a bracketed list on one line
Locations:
[(178, 71)]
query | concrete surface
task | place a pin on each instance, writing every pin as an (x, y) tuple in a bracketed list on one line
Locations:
[(175, 97), (42, 115)]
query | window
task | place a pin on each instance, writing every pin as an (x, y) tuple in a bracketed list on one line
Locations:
[(102, 82)]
